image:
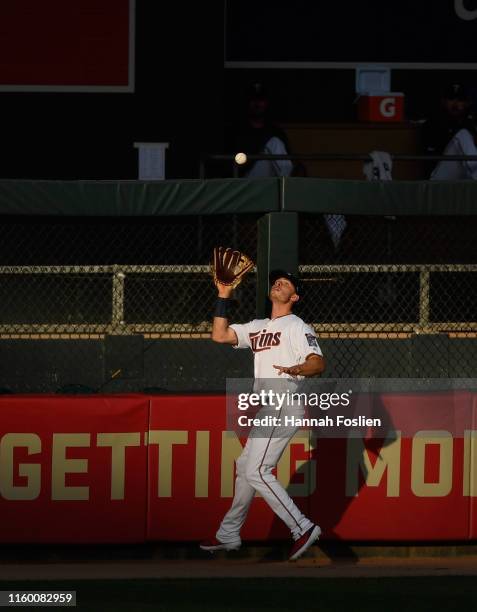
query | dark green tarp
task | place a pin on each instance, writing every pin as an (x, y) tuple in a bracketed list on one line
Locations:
[(138, 198), (226, 196), (381, 197)]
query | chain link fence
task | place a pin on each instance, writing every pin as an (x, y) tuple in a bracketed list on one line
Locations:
[(89, 276), (68, 283), (409, 280), (124, 304)]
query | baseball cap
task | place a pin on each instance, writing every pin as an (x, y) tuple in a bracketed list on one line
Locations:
[(257, 90), (456, 91), (295, 281)]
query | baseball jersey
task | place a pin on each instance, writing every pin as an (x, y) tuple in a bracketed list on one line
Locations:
[(285, 341), (461, 144)]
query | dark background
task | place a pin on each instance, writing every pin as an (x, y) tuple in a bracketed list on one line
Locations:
[(184, 96), (344, 31)]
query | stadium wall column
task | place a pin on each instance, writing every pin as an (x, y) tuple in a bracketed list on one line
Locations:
[(277, 248)]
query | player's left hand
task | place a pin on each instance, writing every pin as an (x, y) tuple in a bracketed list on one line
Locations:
[(292, 370), (229, 267)]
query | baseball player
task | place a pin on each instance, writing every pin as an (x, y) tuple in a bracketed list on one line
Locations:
[(284, 347)]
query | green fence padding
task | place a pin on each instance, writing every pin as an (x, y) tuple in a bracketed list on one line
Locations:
[(227, 196), (138, 198), (313, 195)]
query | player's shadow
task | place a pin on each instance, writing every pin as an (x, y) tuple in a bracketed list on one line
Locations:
[(329, 498)]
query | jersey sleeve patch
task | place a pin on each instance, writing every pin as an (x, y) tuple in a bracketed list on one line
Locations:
[(312, 340)]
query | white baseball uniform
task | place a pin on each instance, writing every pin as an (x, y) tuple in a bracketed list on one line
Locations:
[(284, 341), (277, 167), (461, 144)]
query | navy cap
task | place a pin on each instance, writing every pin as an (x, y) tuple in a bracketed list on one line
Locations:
[(276, 274), (257, 91), (456, 91)]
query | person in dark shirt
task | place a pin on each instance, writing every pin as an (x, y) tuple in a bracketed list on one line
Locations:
[(258, 134), (451, 117)]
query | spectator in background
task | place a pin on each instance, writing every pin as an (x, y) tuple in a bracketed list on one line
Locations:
[(258, 134), (464, 142), (450, 117)]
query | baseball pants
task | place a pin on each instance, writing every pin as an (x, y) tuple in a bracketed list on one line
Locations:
[(254, 473)]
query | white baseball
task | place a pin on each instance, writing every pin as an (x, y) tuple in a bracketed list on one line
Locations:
[(240, 158)]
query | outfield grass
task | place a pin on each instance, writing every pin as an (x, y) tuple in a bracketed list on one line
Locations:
[(249, 595)]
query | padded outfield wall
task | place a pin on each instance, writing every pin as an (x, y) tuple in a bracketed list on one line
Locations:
[(117, 468)]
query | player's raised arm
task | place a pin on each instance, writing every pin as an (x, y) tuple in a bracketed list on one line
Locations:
[(221, 332), (229, 267)]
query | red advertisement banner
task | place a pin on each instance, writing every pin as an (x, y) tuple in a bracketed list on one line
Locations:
[(137, 468), (73, 469)]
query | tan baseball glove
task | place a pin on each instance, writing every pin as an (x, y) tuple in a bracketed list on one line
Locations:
[(229, 267)]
